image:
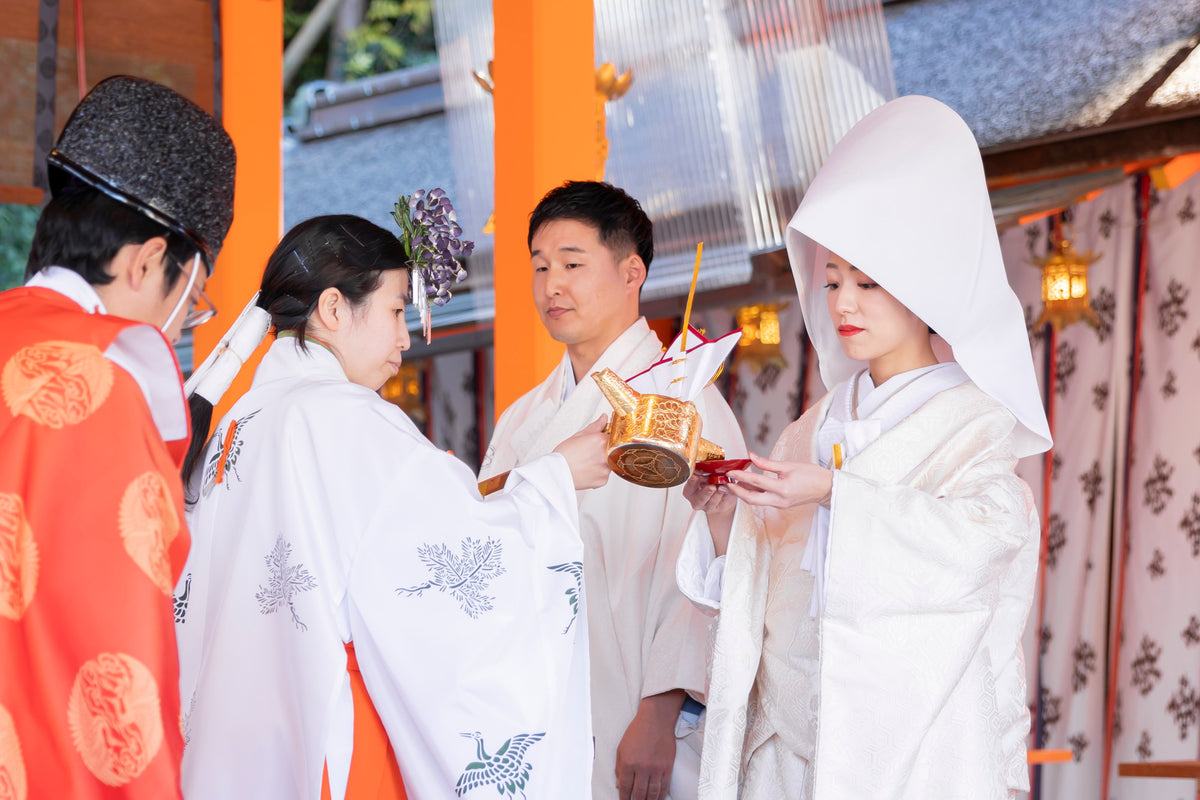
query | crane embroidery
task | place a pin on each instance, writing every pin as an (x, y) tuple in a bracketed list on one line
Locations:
[(224, 461), (506, 769), (284, 582), (464, 577), (181, 600), (575, 568)]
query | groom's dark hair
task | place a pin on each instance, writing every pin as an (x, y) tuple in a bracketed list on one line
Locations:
[(623, 225)]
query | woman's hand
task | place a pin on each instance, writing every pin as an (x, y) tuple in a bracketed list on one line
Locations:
[(587, 455), (717, 503), (708, 497), (791, 485)]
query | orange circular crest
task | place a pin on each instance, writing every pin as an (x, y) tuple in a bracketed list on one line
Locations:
[(148, 524), (18, 558), (115, 717), (13, 785), (56, 383)]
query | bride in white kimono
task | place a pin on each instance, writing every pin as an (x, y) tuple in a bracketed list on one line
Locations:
[(873, 582), (323, 516)]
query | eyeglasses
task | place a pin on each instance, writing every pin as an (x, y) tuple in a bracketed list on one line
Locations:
[(202, 309)]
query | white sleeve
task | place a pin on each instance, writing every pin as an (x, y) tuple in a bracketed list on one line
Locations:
[(700, 570), (464, 619)]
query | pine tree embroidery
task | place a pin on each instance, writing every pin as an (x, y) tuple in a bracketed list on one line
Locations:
[(1172, 311), (284, 582), (1190, 524), (1145, 666), (1091, 481), (1157, 487), (465, 577), (1085, 664), (575, 569), (1184, 707), (1100, 395), (506, 769)]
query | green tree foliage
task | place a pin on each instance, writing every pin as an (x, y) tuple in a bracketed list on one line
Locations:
[(16, 232), (395, 34)]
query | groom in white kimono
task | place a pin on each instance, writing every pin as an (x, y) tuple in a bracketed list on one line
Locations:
[(591, 245)]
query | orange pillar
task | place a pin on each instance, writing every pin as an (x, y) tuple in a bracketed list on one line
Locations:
[(252, 112), (545, 134)]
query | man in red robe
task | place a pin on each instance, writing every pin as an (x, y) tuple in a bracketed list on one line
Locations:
[(93, 428)]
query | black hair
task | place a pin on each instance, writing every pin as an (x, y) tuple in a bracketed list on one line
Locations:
[(338, 251), (82, 229), (623, 225)]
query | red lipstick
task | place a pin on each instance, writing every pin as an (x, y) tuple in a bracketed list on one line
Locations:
[(848, 330)]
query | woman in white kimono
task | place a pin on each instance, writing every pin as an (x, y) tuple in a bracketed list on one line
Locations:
[(323, 517), (874, 580)]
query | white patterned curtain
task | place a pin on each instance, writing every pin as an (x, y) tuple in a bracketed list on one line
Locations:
[(1090, 402), (1159, 665)]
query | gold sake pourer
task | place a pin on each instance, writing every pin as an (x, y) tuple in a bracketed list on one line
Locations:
[(653, 440)]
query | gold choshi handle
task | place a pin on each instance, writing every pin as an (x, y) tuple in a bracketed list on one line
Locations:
[(494, 483), (709, 451)]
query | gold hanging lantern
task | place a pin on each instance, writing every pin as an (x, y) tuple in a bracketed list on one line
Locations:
[(404, 389), (1065, 286), (759, 345)]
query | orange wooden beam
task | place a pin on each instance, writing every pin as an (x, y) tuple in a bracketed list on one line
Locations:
[(252, 105), (20, 195), (1175, 171), (544, 103)]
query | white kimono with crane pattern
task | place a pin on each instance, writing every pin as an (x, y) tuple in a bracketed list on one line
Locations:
[(325, 517)]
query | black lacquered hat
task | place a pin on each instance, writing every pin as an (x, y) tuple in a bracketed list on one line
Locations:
[(154, 150)]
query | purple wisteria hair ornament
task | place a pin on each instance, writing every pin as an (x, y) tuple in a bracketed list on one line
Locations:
[(430, 232)]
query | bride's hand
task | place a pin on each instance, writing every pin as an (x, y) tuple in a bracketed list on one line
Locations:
[(791, 484)]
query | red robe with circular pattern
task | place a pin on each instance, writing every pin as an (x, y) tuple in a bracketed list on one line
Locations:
[(92, 540)]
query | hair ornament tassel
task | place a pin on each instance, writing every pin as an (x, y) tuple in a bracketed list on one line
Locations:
[(430, 232), (214, 377), (420, 302)]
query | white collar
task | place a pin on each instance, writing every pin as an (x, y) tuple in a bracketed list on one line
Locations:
[(615, 354), (69, 284), (285, 358)]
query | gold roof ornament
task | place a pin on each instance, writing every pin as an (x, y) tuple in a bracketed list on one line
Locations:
[(1065, 286), (609, 86)]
